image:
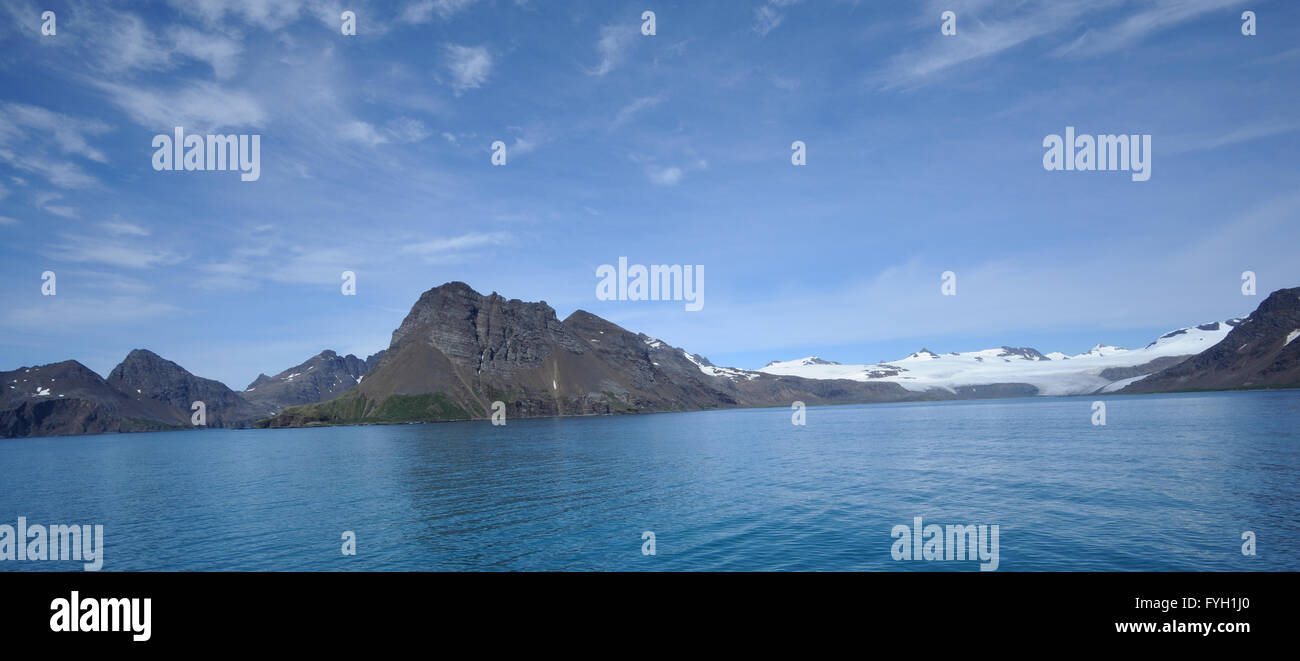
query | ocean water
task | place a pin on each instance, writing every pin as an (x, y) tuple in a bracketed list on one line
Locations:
[(1169, 483)]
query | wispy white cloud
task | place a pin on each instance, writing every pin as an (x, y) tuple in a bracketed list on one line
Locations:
[(42, 201), (613, 45), (984, 29), (1139, 25), (123, 43), (470, 66), (787, 83), (422, 11), (670, 175), (362, 132), (987, 29), (269, 257), (627, 112), (63, 174), (406, 129), (27, 133), (402, 129), (219, 52), (1206, 142), (442, 248), (111, 250), (523, 146), (197, 106), (123, 228), (64, 311), (69, 133), (664, 176), (770, 15), (527, 140), (313, 265), (265, 14)]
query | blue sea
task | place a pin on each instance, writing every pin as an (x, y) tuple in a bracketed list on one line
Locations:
[(1171, 482)]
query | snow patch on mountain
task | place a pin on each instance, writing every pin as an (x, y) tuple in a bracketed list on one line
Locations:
[(810, 360), (732, 373)]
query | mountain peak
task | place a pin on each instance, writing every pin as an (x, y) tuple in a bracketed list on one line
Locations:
[(142, 355), (456, 285), (144, 375)]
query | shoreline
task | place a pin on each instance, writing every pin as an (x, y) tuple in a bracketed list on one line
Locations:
[(639, 413)]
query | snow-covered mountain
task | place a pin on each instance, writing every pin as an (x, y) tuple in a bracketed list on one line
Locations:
[(1100, 369)]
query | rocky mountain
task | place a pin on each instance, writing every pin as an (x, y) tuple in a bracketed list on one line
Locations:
[(1259, 352), (457, 351), (144, 375), (68, 398), (147, 392), (323, 376)]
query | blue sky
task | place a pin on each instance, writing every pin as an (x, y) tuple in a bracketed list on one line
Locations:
[(924, 156)]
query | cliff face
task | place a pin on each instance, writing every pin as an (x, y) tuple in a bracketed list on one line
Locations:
[(477, 349), (1260, 352)]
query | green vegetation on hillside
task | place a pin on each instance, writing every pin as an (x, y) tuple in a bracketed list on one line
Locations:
[(353, 407)]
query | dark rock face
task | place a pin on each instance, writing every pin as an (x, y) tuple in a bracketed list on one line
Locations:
[(477, 349), (373, 359), (323, 376), (1255, 353), (1149, 367), (645, 373), (1023, 353), (68, 398), (145, 375), (144, 392)]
